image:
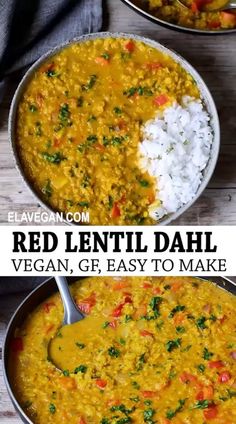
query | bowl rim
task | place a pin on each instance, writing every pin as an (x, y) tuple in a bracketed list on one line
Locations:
[(175, 27), (224, 283), (204, 91)]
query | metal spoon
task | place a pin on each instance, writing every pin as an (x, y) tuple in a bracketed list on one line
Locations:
[(230, 4), (71, 312)]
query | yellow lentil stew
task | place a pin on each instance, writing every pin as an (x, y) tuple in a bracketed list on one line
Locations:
[(79, 123), (151, 350), (193, 16)]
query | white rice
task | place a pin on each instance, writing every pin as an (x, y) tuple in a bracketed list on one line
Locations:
[(175, 150)]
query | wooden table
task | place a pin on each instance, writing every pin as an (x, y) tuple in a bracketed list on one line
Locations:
[(215, 59)]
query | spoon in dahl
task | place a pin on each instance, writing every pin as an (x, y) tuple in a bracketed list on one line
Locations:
[(72, 315)]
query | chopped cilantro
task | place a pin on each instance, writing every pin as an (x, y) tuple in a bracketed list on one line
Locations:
[(144, 183), (113, 352), (171, 413), (206, 354), (33, 108), (52, 408), (201, 404), (80, 345), (180, 329), (117, 111), (201, 323), (81, 368), (201, 368), (90, 84), (55, 158), (173, 344), (178, 308), (47, 188), (83, 204)]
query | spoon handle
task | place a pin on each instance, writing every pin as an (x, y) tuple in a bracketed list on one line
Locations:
[(231, 4), (71, 312)]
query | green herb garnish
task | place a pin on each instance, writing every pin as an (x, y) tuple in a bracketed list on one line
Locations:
[(113, 352), (55, 158), (173, 344)]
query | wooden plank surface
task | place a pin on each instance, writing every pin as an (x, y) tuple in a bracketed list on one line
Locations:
[(215, 59)]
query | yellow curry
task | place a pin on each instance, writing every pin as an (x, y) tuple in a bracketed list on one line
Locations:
[(151, 350), (79, 124), (195, 14)]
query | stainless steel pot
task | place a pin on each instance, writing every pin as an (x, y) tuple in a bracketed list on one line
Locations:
[(39, 295)]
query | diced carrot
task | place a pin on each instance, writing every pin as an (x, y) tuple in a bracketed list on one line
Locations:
[(102, 61), (186, 378), (224, 377), (160, 100), (120, 285), (153, 65), (48, 306), (115, 212), (165, 421), (16, 344), (101, 384), (206, 393), (211, 412), (176, 285), (122, 124), (146, 333), (228, 19), (99, 147), (179, 318), (194, 7), (147, 285), (56, 142), (214, 24), (223, 319), (130, 46), (156, 290), (148, 394), (215, 364), (87, 304), (68, 383), (82, 421), (151, 198)]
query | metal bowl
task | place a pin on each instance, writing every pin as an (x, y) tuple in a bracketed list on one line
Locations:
[(139, 7), (205, 95), (36, 297)]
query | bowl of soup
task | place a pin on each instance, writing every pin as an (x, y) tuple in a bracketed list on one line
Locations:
[(150, 349), (189, 15), (115, 125)]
